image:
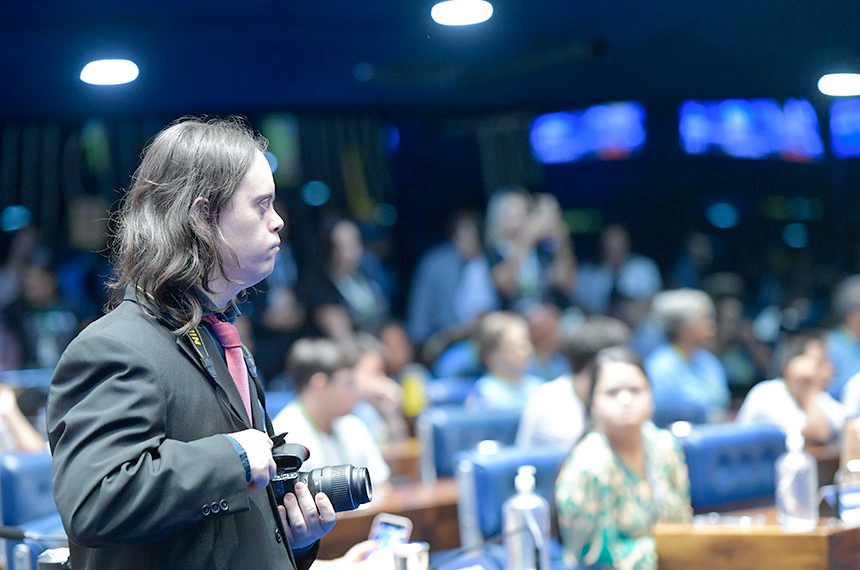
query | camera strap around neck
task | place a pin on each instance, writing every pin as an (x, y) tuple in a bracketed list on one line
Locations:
[(196, 343)]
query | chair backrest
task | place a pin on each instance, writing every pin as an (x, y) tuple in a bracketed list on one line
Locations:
[(27, 502), (277, 400), (25, 487), (442, 431), (27, 378), (486, 481), (731, 464), (668, 413)]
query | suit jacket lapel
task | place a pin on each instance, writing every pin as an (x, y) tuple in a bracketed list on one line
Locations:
[(223, 378)]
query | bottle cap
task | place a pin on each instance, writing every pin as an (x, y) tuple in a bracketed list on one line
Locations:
[(794, 441), (524, 482)]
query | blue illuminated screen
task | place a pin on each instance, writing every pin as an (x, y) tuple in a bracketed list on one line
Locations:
[(751, 128), (845, 128), (610, 131)]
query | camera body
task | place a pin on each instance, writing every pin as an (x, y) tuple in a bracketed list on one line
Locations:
[(346, 486)]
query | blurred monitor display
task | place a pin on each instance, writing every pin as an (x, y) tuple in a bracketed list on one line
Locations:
[(610, 131), (751, 128), (845, 128)]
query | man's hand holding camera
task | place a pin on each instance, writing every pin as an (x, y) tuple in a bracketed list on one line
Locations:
[(307, 518), (258, 448)]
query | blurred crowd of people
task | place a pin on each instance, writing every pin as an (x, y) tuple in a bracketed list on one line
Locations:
[(491, 303), (508, 302)]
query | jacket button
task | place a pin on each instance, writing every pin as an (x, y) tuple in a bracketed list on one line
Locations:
[(278, 536), (215, 507), (205, 510), (224, 505)]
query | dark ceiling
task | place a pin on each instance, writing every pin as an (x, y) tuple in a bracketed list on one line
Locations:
[(241, 57)]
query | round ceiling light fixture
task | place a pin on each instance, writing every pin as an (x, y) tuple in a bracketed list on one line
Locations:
[(109, 72), (461, 12), (840, 84)]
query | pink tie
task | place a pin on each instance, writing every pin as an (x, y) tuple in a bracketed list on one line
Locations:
[(228, 336)]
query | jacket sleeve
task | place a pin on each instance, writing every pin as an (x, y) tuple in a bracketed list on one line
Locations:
[(118, 475)]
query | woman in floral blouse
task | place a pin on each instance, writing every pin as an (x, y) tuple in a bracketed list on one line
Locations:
[(623, 475)]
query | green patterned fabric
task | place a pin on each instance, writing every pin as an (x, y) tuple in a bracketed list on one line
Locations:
[(605, 510)]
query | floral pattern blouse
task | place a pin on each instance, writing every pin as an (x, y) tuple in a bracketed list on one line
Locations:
[(605, 509)]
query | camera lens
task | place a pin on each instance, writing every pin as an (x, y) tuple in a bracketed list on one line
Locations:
[(346, 486)]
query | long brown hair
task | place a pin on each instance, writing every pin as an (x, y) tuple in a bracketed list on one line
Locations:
[(163, 245)]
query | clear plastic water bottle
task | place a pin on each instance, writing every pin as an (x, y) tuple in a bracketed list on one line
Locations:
[(526, 525), (796, 486)]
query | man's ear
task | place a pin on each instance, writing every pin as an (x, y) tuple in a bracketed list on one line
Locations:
[(200, 209)]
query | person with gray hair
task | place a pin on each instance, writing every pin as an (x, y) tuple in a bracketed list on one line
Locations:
[(689, 381), (843, 340)]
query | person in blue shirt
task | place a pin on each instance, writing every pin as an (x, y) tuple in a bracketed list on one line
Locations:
[(451, 286), (505, 348), (689, 381)]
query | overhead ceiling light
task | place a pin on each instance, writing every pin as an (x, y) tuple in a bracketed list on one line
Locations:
[(109, 72), (461, 12), (840, 84)]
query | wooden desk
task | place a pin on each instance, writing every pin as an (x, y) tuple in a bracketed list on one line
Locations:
[(432, 509), (831, 546), (403, 457)]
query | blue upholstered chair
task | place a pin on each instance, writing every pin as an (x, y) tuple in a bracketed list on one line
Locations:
[(486, 481), (680, 411), (28, 504), (442, 431), (277, 400), (731, 464), (27, 378)]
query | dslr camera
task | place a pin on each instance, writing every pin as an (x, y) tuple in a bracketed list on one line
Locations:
[(346, 486)]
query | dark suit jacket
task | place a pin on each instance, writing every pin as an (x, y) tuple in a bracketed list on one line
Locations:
[(143, 477)]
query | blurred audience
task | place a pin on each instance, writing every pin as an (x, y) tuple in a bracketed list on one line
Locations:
[(529, 249), (505, 349), (544, 322), (623, 476), (341, 297), (276, 316), (843, 340), (321, 417), (19, 244), (451, 285), (380, 396), (555, 412), (745, 358), (16, 431), (799, 399), (684, 373), (621, 283), (40, 321), (694, 263)]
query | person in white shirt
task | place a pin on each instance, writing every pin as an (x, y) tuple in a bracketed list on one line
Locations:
[(320, 418), (555, 413), (16, 431), (800, 397), (851, 396)]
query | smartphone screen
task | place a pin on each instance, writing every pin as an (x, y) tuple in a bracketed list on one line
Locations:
[(389, 531)]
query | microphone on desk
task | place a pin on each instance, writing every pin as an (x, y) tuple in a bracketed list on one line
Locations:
[(16, 533)]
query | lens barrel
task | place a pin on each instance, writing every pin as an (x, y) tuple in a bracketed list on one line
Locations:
[(346, 486)]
